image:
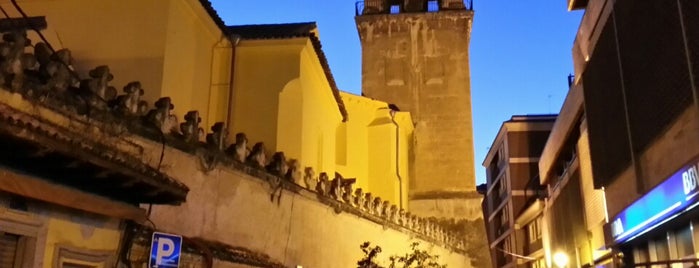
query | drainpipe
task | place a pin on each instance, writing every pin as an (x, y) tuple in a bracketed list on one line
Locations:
[(235, 40), (392, 112)]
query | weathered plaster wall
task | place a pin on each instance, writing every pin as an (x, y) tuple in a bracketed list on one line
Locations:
[(232, 207), (419, 61), (52, 227)]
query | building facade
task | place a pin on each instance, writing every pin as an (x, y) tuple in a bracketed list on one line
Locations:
[(415, 56), (573, 212), (618, 169), (511, 168), (91, 172), (641, 116)]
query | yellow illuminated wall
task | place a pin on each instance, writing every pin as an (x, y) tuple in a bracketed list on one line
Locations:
[(370, 148), (281, 97), (172, 47)]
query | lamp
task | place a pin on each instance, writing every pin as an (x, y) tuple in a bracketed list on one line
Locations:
[(560, 259)]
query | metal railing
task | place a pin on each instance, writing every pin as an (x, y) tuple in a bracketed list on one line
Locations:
[(372, 7), (668, 263)]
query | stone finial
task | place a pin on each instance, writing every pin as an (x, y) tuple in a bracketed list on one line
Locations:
[(335, 190), (42, 52), (278, 165), (239, 150), (57, 71), (359, 198), (309, 178), (217, 138), (421, 225), (347, 192), (386, 210), (461, 244), (376, 206), (257, 157), (401, 217), (393, 214), (293, 173), (190, 128), (414, 222), (98, 86), (130, 103), (323, 184), (367, 202), (161, 115), (13, 61), (341, 186), (429, 228), (408, 220)]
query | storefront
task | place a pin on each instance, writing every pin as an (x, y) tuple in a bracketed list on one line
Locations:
[(658, 228)]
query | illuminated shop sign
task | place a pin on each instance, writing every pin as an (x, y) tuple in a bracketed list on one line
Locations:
[(664, 202)]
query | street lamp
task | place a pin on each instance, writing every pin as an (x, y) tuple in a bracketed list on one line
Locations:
[(560, 259)]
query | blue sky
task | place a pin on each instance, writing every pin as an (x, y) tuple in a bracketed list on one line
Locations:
[(520, 53)]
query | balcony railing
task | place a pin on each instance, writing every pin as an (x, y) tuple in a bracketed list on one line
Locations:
[(371, 7), (668, 263)]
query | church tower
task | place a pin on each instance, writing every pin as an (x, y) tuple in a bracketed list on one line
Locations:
[(415, 56)]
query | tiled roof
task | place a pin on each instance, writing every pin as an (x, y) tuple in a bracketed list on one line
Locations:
[(213, 14), (293, 30), (271, 31)]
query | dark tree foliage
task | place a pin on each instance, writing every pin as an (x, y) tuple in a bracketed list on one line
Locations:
[(415, 258)]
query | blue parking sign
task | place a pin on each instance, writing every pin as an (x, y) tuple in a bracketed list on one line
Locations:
[(165, 250)]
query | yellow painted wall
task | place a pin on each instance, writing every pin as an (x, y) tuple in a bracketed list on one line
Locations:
[(172, 47), (371, 148), (263, 69), (320, 116), (196, 69), (100, 235), (281, 97)]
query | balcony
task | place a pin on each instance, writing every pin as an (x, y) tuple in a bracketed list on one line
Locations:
[(373, 7)]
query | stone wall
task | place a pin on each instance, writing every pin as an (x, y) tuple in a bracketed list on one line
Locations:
[(419, 62), (293, 226)]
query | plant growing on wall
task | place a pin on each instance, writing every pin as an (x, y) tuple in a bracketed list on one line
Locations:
[(415, 258)]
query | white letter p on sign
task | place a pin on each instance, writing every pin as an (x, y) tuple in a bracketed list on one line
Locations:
[(165, 249)]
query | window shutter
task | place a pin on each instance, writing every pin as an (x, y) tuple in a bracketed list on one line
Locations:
[(8, 249)]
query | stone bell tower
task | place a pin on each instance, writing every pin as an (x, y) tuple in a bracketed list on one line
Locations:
[(415, 55)]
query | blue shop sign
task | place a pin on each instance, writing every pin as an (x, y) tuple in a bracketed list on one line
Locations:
[(664, 202)]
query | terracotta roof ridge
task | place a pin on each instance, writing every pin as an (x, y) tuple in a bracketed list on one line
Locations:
[(206, 4), (272, 31)]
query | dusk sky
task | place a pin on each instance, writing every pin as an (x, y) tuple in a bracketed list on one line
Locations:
[(520, 53)]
